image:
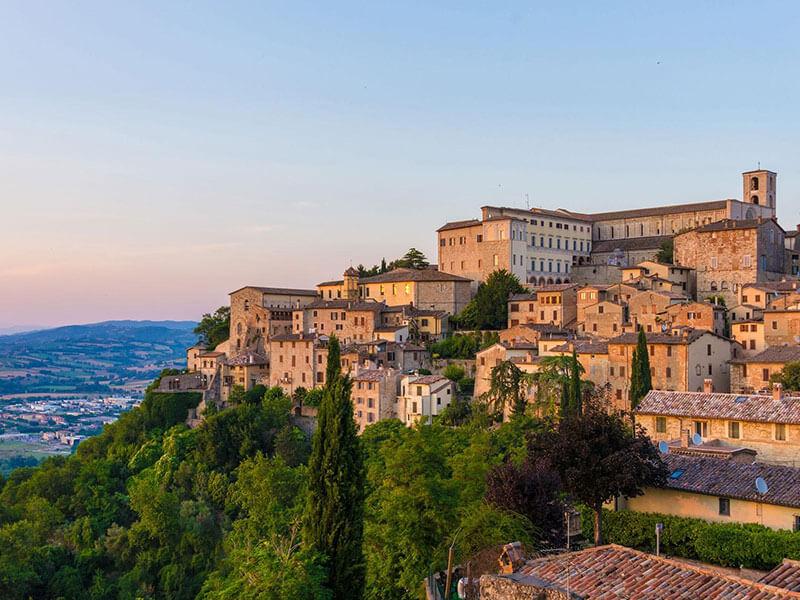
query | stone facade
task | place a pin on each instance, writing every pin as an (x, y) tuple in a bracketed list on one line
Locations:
[(645, 309), (781, 327), (750, 336), (550, 304), (423, 397), (604, 319), (257, 313), (754, 372), (350, 321), (729, 254), (697, 315), (374, 396), (498, 587)]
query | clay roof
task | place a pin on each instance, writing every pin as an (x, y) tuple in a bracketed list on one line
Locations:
[(389, 328), (775, 286), (652, 242), (344, 305), (584, 347), (278, 291), (786, 575), (428, 379), (373, 375), (247, 358), (553, 287), (296, 337), (663, 338), (459, 224), (396, 275), (730, 224), (710, 449), (613, 572), (518, 297), (657, 210), (728, 478), (212, 354), (773, 354), (332, 282), (558, 213), (737, 407)]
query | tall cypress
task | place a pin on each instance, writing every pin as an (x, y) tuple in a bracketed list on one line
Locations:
[(641, 381), (575, 385), (334, 518)]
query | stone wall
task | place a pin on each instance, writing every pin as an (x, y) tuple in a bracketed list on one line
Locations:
[(497, 587)]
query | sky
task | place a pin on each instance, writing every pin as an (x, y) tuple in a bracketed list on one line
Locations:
[(155, 156)]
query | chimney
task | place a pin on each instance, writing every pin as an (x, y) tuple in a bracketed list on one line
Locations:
[(777, 391), (685, 438), (708, 385)]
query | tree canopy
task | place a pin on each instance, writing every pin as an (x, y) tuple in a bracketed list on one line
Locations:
[(214, 328), (489, 308), (788, 376), (641, 381)]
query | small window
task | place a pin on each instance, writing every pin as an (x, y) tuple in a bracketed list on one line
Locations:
[(780, 432), (796, 523), (661, 425), (733, 430), (725, 507)]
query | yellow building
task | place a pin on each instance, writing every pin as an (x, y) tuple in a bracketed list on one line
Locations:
[(724, 491)]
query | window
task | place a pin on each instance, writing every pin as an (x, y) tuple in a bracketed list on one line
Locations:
[(495, 260), (669, 372), (725, 507), (708, 349), (661, 424), (780, 432), (713, 262), (797, 522), (733, 430), (701, 428)]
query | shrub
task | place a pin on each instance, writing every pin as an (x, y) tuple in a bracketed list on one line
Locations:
[(748, 545)]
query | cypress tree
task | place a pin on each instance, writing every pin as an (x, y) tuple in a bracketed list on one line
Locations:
[(641, 382), (334, 518), (575, 385)]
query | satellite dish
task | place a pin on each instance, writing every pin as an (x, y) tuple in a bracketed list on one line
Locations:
[(697, 439), (761, 486), (663, 447)]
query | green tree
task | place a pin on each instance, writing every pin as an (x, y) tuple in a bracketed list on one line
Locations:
[(214, 328), (508, 386), (789, 376), (454, 372), (641, 381), (413, 259), (334, 511), (575, 386), (599, 457), (553, 381), (489, 308), (665, 252)]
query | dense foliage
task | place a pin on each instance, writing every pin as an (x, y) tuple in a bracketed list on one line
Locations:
[(489, 308), (666, 251), (599, 457), (214, 328), (463, 345), (151, 509), (641, 381), (750, 546), (789, 376)]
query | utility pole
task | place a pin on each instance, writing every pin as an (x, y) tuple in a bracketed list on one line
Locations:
[(449, 579)]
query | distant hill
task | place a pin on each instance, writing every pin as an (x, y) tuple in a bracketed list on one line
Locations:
[(107, 357)]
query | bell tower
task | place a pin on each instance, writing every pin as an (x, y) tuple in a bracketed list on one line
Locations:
[(351, 284), (759, 187)]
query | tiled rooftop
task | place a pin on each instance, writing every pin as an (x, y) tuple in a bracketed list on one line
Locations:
[(459, 224), (737, 407), (615, 572), (398, 275), (786, 575), (773, 354), (655, 210), (628, 244), (661, 338), (731, 479), (278, 291)]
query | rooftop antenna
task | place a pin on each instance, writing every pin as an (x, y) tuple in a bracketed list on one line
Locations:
[(759, 165), (528, 201)]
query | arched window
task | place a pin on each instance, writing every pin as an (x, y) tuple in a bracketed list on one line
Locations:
[(238, 329), (247, 304), (754, 183), (713, 286), (754, 199), (724, 285)]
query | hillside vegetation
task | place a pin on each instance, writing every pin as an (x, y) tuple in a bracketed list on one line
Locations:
[(152, 509)]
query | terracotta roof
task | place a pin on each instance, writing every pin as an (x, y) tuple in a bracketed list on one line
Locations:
[(737, 407), (428, 379), (459, 224), (553, 287), (296, 337), (212, 354), (731, 479), (278, 291), (374, 375), (773, 354), (731, 224), (520, 297), (711, 449), (584, 347), (397, 275), (652, 242), (331, 283), (786, 575), (615, 572), (248, 358), (342, 304), (663, 338), (657, 210), (774, 286), (390, 328)]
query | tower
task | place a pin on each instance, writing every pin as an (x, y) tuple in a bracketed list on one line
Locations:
[(351, 284), (758, 187)]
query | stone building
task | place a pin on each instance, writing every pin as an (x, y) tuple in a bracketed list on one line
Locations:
[(754, 372), (422, 397), (750, 336), (697, 315), (729, 254), (425, 289), (348, 320), (257, 313), (646, 308), (781, 327), (604, 319), (537, 245), (680, 360), (374, 396), (548, 304), (768, 424), (297, 360)]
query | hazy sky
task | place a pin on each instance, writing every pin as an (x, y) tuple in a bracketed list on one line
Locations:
[(155, 156)]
